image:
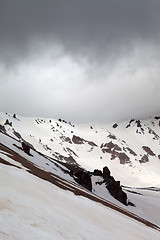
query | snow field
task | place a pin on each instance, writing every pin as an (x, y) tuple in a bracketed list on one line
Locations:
[(31, 208)]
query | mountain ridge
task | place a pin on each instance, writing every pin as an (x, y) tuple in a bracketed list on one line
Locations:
[(133, 145)]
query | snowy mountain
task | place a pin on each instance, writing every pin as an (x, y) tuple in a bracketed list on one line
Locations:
[(114, 168), (131, 150)]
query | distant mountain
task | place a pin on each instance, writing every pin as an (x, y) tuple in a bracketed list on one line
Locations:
[(131, 150)]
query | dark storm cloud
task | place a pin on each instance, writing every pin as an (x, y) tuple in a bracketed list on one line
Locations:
[(84, 60), (95, 28)]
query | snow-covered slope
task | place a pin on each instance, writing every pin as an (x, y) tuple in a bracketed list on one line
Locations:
[(31, 208), (130, 149), (59, 207)]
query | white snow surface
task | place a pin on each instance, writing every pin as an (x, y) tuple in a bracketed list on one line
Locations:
[(31, 208)]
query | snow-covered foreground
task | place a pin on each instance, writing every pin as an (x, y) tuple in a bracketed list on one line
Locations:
[(31, 208)]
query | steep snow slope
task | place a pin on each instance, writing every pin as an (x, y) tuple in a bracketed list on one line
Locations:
[(129, 149), (31, 208)]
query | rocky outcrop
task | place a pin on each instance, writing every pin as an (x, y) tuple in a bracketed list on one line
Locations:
[(116, 190), (26, 148), (97, 172), (83, 178), (115, 125), (18, 135), (2, 129), (144, 159), (77, 140), (123, 158), (116, 151), (8, 123), (91, 143), (106, 173), (65, 139), (148, 150), (113, 186)]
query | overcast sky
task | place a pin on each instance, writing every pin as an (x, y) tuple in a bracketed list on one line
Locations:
[(80, 60)]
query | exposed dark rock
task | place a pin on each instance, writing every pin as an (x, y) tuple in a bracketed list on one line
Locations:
[(131, 151), (116, 190), (71, 152), (45, 146), (14, 115), (134, 192), (92, 143), (106, 173), (17, 134), (8, 123), (132, 120), (115, 125), (110, 147), (84, 179), (148, 150), (157, 118), (115, 151), (2, 128), (66, 139), (159, 156), (131, 204), (26, 148), (139, 123), (139, 126), (99, 182), (117, 148), (156, 137), (77, 140), (153, 123), (123, 158), (112, 136), (144, 159), (97, 172), (69, 160), (113, 186)]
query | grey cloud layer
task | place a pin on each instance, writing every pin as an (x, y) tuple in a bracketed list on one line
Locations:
[(81, 26), (84, 60)]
